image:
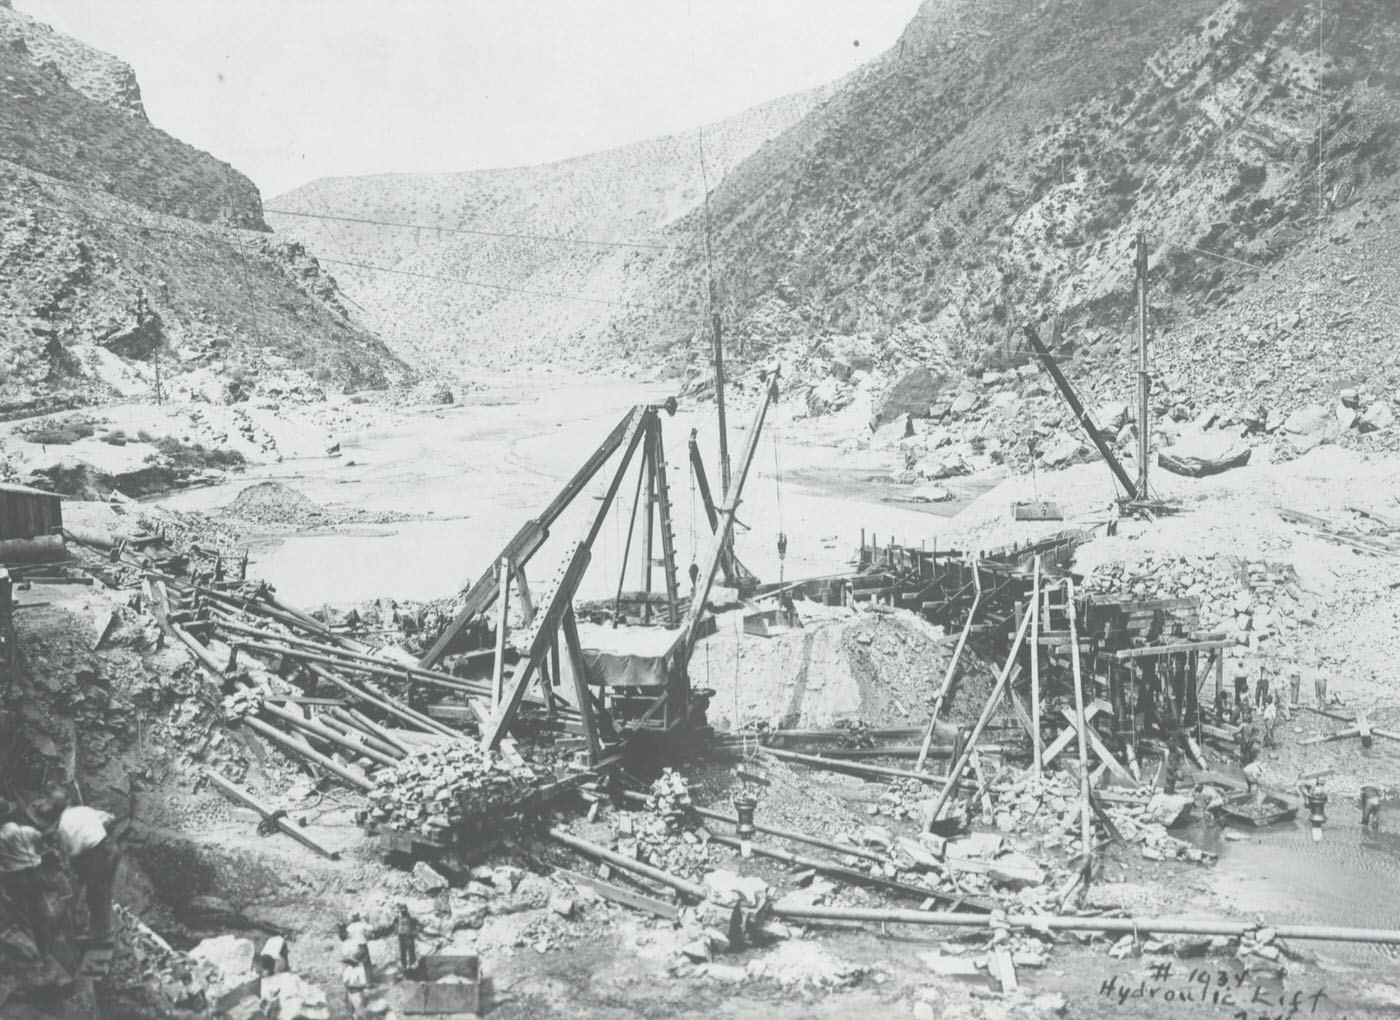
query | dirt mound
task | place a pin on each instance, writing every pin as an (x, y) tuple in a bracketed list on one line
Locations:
[(882, 669), (275, 503)]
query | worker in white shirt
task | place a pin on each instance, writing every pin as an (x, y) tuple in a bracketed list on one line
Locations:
[(21, 853), (84, 837), (355, 978)]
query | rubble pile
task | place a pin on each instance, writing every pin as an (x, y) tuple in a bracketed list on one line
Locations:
[(667, 834), (436, 790), (275, 503), (184, 981), (1261, 605)]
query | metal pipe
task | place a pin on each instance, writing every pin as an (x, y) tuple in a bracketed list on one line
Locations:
[(1104, 925), (393, 708), (692, 889), (855, 768), (306, 751)]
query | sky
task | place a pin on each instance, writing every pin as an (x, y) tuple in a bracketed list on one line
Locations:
[(291, 90)]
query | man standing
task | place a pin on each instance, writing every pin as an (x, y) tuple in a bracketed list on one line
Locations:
[(1295, 689), (1320, 688), (1241, 690), (406, 927), (21, 853), (1270, 720), (85, 840), (356, 980), (1261, 689)]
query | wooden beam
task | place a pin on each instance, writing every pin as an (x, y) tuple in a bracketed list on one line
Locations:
[(1189, 646), (1036, 749), (1103, 753), (502, 624), (236, 793), (585, 704), (957, 768), (952, 670), (1082, 727)]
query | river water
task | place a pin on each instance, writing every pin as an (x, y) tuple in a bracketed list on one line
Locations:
[(475, 471)]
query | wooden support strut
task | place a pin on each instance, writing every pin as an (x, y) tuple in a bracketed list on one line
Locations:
[(956, 771), (1036, 741), (1082, 726), (952, 669)]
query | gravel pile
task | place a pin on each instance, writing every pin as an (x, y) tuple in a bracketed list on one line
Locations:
[(275, 503)]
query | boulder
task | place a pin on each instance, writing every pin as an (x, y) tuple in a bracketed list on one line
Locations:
[(964, 403), (912, 393), (427, 879), (828, 395), (1111, 416), (295, 998), (1062, 451), (729, 889), (1204, 453), (1377, 416), (233, 958), (1305, 420), (930, 493), (1346, 416), (1168, 809), (942, 465)]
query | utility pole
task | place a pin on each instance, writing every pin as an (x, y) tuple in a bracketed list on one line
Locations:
[(719, 395), (1144, 381)]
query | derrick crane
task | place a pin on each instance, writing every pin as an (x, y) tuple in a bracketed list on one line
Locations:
[(620, 678)]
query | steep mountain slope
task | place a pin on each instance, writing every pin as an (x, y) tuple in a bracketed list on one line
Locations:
[(627, 193), (75, 113), (121, 248), (1000, 164), (995, 166)]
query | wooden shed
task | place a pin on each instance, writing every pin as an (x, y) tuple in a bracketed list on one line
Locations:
[(28, 513)]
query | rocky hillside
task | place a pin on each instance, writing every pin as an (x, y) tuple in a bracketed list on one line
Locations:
[(999, 164), (632, 193), (995, 166), (124, 251)]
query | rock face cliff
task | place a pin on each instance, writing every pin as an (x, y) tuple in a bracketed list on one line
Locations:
[(124, 251)]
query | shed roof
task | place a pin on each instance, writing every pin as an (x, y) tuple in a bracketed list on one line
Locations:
[(25, 490)]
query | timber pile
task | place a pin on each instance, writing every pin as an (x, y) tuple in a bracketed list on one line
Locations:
[(441, 789)]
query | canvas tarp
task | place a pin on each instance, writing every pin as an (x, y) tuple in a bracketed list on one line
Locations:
[(629, 656)]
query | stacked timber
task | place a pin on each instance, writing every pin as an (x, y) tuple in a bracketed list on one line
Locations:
[(447, 788)]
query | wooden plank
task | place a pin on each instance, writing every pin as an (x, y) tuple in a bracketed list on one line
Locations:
[(619, 894), (1104, 754), (1190, 646), (1067, 735)]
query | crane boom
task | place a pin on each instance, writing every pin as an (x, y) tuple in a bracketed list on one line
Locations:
[(1080, 414), (722, 534)]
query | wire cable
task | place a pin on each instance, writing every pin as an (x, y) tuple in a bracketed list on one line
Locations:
[(505, 234)]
